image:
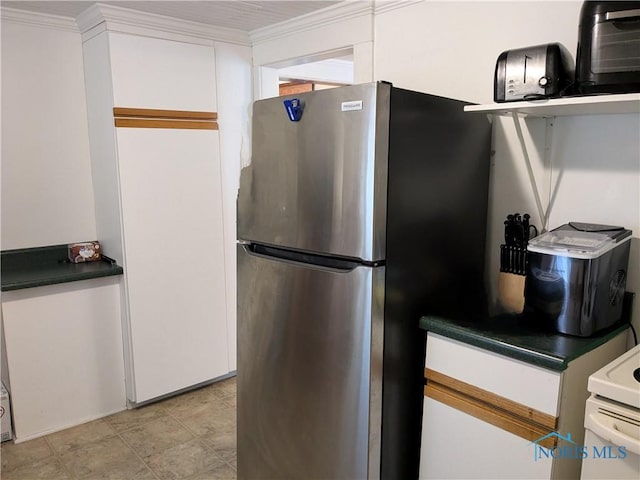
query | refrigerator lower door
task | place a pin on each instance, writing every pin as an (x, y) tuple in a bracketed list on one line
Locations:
[(309, 369)]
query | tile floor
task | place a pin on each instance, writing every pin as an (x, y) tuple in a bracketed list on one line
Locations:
[(191, 436)]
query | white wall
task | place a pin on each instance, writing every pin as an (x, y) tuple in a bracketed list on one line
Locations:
[(336, 30), (591, 168), (312, 40), (596, 172), (331, 71), (233, 79), (47, 197), (449, 48)]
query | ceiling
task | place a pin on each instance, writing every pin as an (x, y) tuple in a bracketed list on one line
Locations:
[(238, 14)]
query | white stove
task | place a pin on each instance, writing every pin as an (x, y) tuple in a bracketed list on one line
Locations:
[(620, 380), (612, 420)]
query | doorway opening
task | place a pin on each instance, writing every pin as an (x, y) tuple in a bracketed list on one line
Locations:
[(313, 72), (316, 75)]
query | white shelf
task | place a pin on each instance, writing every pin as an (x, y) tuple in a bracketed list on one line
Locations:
[(557, 107)]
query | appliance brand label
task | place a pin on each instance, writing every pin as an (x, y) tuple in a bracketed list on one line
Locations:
[(353, 105)]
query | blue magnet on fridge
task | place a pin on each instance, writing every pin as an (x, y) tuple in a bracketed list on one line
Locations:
[(294, 108)]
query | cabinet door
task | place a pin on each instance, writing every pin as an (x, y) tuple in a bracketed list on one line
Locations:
[(155, 73), (174, 261), (527, 384), (64, 354), (456, 445), (482, 413)]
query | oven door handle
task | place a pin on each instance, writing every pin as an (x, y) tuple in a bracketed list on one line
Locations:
[(609, 431)]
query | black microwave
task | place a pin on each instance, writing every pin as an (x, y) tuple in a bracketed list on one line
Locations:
[(608, 57)]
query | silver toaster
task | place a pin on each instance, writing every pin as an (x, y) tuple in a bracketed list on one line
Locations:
[(532, 73)]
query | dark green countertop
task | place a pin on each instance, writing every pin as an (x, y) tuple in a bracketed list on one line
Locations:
[(36, 267), (523, 338)]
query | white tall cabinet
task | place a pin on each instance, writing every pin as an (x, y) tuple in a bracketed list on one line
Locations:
[(159, 208)]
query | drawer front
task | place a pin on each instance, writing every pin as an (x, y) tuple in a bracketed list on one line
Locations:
[(535, 387), (458, 446)]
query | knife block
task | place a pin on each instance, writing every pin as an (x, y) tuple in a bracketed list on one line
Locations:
[(511, 292)]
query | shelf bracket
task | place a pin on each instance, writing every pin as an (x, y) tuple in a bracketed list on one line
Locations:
[(534, 186)]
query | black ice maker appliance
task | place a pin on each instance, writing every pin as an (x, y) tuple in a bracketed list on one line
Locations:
[(576, 276)]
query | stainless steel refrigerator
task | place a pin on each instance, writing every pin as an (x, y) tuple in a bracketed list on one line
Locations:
[(364, 208)]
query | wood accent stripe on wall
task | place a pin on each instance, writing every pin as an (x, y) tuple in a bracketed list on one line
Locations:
[(501, 412), (152, 118)]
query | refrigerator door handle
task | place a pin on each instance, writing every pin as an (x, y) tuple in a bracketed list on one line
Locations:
[(311, 260)]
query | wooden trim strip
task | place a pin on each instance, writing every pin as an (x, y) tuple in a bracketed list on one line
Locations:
[(482, 411), (166, 114), (492, 400), (160, 123)]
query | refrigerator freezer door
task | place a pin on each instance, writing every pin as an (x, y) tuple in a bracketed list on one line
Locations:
[(319, 184), (309, 370)]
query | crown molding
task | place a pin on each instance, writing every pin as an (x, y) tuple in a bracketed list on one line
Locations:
[(25, 17), (101, 17), (384, 6), (336, 13), (124, 20)]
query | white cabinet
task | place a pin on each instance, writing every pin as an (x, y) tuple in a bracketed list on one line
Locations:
[(174, 258), (456, 445), (64, 354), (485, 413), (156, 73), (159, 208)]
